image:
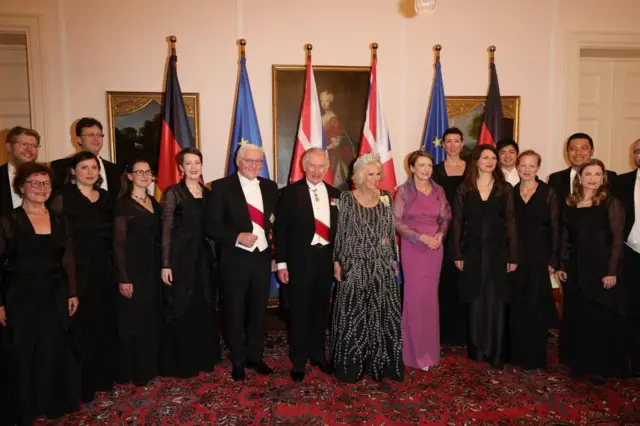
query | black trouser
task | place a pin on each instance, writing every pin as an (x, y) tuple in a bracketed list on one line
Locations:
[(309, 290), (632, 286), (246, 277)]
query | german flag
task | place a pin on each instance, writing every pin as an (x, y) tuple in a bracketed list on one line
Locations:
[(492, 127), (175, 133)]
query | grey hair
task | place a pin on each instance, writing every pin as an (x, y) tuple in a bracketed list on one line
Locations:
[(309, 152), (360, 169), (245, 148)]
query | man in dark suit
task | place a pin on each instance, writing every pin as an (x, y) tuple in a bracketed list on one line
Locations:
[(304, 234), (239, 218), (628, 191), (580, 149), (22, 145), (89, 137)]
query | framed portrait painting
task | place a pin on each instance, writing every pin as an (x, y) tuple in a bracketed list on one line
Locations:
[(342, 92), (467, 114), (135, 121)]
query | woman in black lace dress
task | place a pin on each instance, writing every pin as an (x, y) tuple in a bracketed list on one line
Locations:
[(137, 258), (593, 329), (366, 335), (484, 247), (37, 297), (89, 211), (191, 342)]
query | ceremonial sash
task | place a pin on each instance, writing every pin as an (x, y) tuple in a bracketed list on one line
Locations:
[(323, 230), (256, 216)]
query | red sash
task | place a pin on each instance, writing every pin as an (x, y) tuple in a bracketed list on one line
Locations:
[(256, 216), (323, 231)]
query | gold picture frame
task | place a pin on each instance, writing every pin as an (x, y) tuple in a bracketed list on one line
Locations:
[(134, 120), (467, 114), (348, 87)]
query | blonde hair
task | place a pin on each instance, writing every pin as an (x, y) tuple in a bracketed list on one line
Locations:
[(529, 153), (601, 194), (360, 169)]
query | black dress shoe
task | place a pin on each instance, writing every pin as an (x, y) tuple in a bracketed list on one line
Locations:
[(297, 376), (634, 374), (596, 379), (260, 367), (237, 372), (324, 366)]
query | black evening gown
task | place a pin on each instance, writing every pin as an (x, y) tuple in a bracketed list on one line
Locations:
[(453, 315), (483, 235), (137, 259), (190, 340), (366, 331), (592, 332), (94, 327), (38, 278), (533, 308)]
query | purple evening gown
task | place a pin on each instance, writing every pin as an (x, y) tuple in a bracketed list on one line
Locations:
[(417, 213)]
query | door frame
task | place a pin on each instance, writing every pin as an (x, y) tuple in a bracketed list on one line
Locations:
[(589, 39), (30, 26)]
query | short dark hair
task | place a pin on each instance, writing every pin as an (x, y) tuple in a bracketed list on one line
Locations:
[(508, 142), (579, 136), (84, 156), (452, 131), (26, 170), (415, 155), (85, 122), (19, 130), (188, 150)]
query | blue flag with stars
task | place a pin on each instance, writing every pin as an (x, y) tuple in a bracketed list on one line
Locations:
[(245, 123), (437, 121)]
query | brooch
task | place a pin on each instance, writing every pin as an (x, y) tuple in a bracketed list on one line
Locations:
[(272, 218), (385, 200)]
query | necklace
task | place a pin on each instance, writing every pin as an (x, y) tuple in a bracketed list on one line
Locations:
[(585, 203), (45, 212), (143, 199), (369, 199)]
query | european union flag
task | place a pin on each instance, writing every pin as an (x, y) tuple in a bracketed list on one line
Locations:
[(245, 122), (437, 121)]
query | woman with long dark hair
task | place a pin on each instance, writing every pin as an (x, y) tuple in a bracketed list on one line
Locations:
[(191, 341), (89, 210), (137, 258), (592, 242), (484, 247)]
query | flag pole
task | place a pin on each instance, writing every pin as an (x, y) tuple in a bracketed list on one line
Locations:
[(437, 48), (374, 51), (172, 44), (492, 51), (242, 43), (308, 48)]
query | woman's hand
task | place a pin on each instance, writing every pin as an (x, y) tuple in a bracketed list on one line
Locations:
[(126, 289), (3, 316), (337, 271), (551, 270), (511, 267), (562, 275), (395, 268), (167, 276), (429, 241), (459, 264), (609, 281), (73, 305)]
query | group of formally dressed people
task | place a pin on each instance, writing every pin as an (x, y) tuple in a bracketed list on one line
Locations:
[(101, 284)]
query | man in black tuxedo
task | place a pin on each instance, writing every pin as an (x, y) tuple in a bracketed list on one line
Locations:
[(239, 218), (628, 191), (579, 150), (89, 137), (304, 234), (22, 145)]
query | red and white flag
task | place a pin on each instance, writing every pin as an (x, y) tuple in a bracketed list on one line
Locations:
[(375, 135), (310, 132)]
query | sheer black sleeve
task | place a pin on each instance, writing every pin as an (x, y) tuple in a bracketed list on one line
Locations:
[(341, 229), (68, 258), (565, 247), (554, 226), (57, 204), (5, 237), (119, 247), (457, 225), (168, 213), (512, 228), (616, 215)]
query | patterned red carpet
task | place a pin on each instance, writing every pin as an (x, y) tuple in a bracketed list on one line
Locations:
[(457, 392)]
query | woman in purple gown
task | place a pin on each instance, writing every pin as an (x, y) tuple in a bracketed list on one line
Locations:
[(422, 216)]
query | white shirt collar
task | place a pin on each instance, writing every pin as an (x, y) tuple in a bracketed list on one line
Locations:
[(246, 182), (315, 186), (638, 173), (12, 168)]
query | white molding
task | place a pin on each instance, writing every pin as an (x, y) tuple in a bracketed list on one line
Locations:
[(30, 26), (589, 39)]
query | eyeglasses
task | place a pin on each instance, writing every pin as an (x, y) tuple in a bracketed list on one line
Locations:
[(24, 144), (39, 184), (252, 162), (94, 135), (143, 172)]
